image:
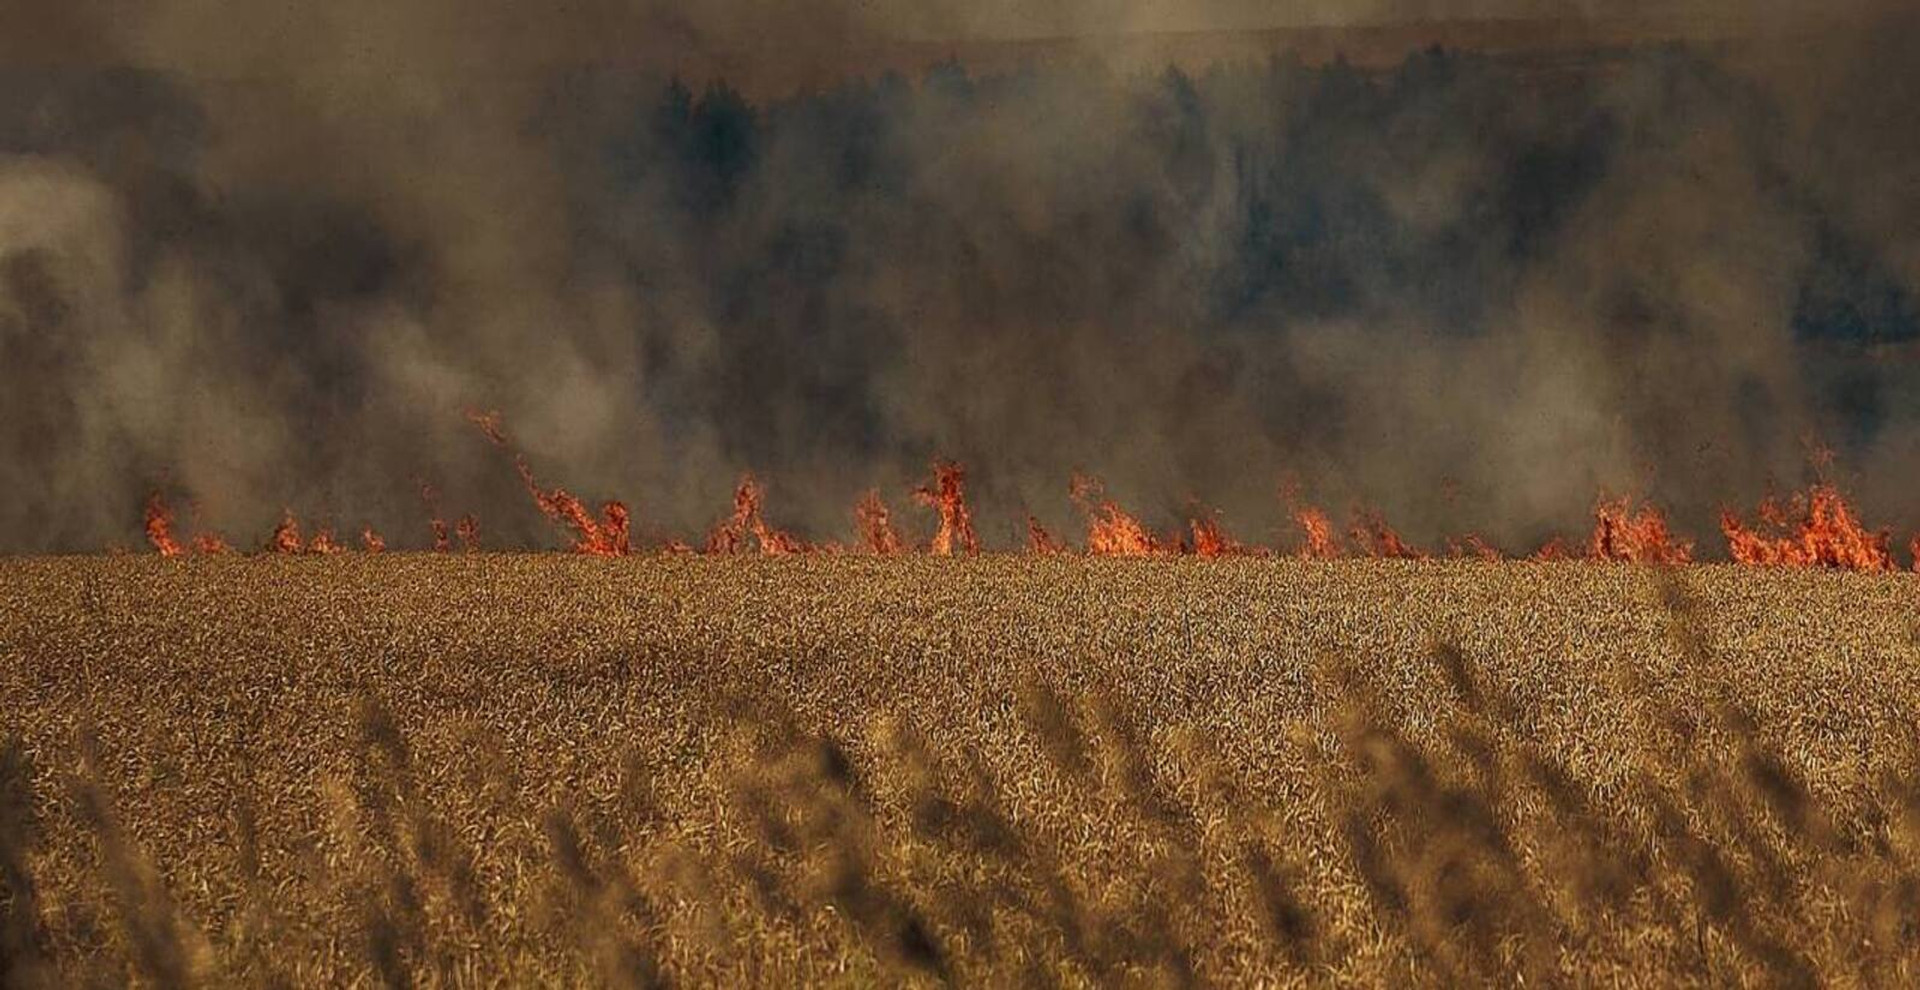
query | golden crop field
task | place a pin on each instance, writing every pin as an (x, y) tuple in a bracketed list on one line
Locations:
[(1006, 770)]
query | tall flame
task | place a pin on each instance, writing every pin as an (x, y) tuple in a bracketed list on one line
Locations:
[(160, 526), (947, 494), (616, 529), (875, 525), (371, 541), (1316, 530), (730, 534), (604, 536)]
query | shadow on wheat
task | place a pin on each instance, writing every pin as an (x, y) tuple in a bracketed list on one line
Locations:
[(471, 771)]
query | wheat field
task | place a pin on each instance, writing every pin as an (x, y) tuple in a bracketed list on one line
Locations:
[(488, 770)]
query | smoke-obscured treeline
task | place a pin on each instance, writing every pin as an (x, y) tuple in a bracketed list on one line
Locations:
[(1469, 291)]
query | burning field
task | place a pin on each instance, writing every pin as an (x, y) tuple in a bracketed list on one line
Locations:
[(1814, 529), (804, 492), (1000, 769)]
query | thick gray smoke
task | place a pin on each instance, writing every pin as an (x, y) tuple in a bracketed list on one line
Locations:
[(263, 261)]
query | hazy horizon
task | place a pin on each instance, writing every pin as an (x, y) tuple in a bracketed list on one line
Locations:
[(1470, 291)]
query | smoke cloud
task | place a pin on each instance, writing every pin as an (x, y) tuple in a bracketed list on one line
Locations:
[(264, 257)]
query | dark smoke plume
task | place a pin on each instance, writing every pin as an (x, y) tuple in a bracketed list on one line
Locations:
[(266, 261)]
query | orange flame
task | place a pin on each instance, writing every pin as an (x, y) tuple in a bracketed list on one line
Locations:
[(1040, 541), (1317, 532), (491, 424), (1472, 546), (1375, 538), (875, 524), (1111, 531), (1622, 535), (324, 543), (432, 499), (776, 542), (605, 536), (1318, 541), (947, 493), (160, 526), (1819, 529), (616, 529), (286, 535), (730, 534), (1210, 539), (1556, 549)]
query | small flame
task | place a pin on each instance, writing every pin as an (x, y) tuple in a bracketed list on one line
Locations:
[(1556, 549), (1040, 541), (1471, 546), (1111, 531), (1817, 529), (1318, 541), (286, 535), (491, 424), (1375, 538), (207, 541), (1622, 535), (947, 494), (777, 542), (875, 525), (730, 534), (468, 529), (432, 500), (1210, 539), (160, 526)]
